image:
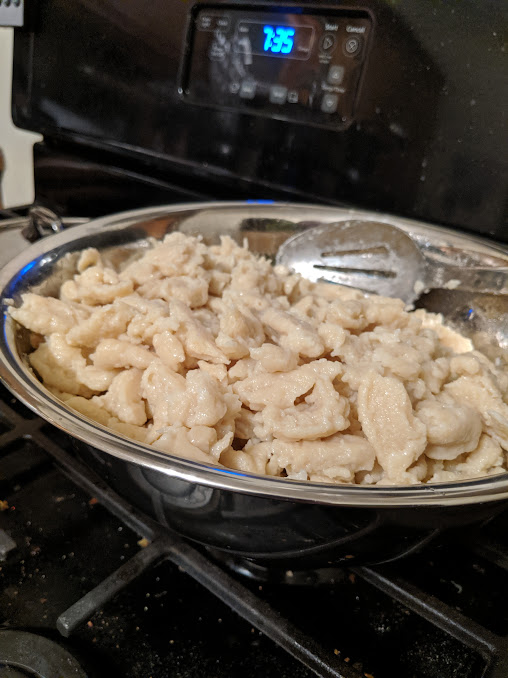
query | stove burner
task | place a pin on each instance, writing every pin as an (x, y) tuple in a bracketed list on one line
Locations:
[(24, 655)]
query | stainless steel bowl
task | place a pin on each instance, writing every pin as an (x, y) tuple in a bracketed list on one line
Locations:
[(225, 508)]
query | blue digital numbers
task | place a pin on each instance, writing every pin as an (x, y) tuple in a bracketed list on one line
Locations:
[(279, 39)]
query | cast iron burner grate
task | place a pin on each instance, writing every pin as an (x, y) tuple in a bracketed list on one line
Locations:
[(402, 588)]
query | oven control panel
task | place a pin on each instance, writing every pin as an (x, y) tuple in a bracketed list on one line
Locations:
[(304, 67)]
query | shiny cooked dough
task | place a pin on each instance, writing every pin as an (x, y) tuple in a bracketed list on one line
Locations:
[(213, 354)]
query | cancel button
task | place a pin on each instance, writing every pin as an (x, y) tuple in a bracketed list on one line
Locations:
[(352, 45)]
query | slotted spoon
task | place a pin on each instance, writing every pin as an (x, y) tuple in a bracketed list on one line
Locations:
[(379, 257)]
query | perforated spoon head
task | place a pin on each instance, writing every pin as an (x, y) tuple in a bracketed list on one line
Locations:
[(370, 255)]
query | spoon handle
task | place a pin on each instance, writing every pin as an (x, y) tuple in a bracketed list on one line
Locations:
[(478, 279)]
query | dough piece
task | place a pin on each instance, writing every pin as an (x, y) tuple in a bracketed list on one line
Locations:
[(386, 415)]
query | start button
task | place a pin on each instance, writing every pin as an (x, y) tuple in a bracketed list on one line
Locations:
[(327, 44)]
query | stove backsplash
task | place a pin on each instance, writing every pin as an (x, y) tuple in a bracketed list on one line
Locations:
[(424, 88)]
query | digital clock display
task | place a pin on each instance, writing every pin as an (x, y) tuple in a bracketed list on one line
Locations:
[(279, 39), (275, 40)]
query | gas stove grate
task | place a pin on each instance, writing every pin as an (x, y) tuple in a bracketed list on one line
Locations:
[(163, 544), (19, 424)]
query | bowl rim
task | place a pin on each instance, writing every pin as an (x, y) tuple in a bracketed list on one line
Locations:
[(23, 384)]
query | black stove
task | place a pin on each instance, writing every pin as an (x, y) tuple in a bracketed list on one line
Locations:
[(90, 587), (150, 103)]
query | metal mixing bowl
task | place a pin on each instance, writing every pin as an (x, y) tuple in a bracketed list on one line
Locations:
[(259, 517)]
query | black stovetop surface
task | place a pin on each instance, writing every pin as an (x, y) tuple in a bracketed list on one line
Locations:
[(440, 614)]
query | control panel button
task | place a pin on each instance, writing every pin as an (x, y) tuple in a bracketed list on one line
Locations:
[(248, 89), (329, 103), (206, 22), (328, 43), (335, 75), (293, 96), (217, 52), (211, 22), (222, 23), (278, 94), (352, 45)]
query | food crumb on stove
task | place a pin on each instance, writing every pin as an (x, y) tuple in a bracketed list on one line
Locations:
[(145, 609), (457, 586), (43, 600), (143, 542), (171, 642), (93, 501), (289, 573), (368, 675), (352, 578), (4, 505), (89, 624), (348, 557), (347, 660), (58, 500), (336, 651)]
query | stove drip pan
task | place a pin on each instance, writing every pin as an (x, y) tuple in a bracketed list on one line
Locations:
[(27, 655)]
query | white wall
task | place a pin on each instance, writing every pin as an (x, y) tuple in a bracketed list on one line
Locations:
[(17, 187)]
